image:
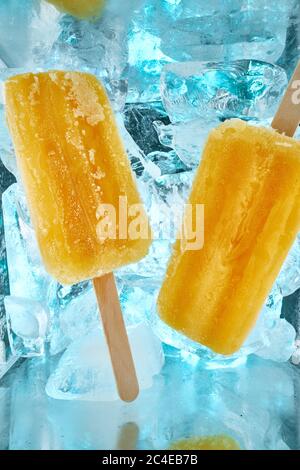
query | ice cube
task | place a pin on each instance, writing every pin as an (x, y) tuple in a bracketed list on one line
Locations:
[(284, 345), (74, 313), (272, 337), (84, 371), (199, 95), (196, 30), (247, 89), (237, 29), (139, 119), (27, 275), (100, 44), (187, 139), (30, 426), (136, 297), (289, 277), (290, 55), (164, 198), (295, 359), (28, 30), (27, 323)]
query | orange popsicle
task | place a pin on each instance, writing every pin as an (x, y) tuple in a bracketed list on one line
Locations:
[(83, 9), (80, 191), (249, 183)]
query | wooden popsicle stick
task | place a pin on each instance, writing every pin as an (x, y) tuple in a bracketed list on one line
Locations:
[(128, 437), (116, 337), (287, 118)]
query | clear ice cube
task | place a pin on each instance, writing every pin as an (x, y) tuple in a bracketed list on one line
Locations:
[(199, 95), (100, 44), (27, 323), (28, 31), (197, 30), (84, 372), (289, 277), (218, 30), (27, 275), (248, 89)]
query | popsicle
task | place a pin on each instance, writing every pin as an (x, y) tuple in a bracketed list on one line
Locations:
[(83, 9), (214, 442), (75, 170), (249, 183)]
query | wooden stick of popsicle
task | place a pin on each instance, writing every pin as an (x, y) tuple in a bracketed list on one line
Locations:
[(287, 118), (128, 437), (116, 337)]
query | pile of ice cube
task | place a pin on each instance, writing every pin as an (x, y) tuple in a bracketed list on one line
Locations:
[(189, 75)]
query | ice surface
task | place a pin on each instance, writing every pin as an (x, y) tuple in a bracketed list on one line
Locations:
[(27, 323), (84, 371), (254, 404), (30, 427)]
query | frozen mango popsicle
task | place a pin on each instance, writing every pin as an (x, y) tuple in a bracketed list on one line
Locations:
[(83, 9), (75, 172), (249, 183)]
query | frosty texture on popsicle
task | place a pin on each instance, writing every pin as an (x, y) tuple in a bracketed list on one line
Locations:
[(249, 183), (83, 9), (71, 160)]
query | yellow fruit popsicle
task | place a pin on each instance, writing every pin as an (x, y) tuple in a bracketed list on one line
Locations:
[(82, 9), (249, 183), (76, 176), (72, 162), (218, 442)]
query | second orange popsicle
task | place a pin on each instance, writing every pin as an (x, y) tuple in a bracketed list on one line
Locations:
[(249, 183)]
